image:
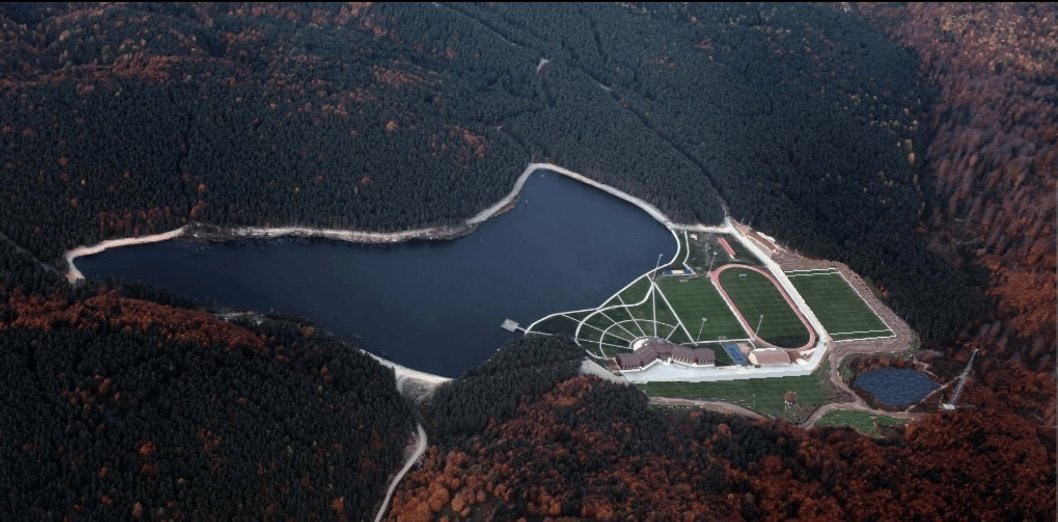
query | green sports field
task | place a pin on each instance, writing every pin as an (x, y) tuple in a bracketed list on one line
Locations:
[(765, 396), (841, 310), (756, 295), (696, 298), (671, 308)]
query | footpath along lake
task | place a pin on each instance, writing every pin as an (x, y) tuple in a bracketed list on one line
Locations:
[(434, 306)]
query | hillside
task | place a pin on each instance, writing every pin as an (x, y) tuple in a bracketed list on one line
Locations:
[(116, 406), (916, 143), (994, 153), (127, 119), (575, 446)]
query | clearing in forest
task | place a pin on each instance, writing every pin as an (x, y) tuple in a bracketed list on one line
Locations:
[(764, 307), (676, 302), (844, 314)]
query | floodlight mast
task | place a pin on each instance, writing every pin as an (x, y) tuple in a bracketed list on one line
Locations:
[(698, 338), (653, 293)]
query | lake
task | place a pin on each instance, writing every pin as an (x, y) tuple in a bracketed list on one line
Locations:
[(896, 387), (434, 306)]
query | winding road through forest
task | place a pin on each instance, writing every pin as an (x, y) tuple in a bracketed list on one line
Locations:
[(420, 448)]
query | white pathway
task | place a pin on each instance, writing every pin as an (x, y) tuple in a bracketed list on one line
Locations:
[(420, 448)]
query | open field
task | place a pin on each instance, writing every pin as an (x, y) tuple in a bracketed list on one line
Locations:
[(696, 298), (765, 396), (702, 250), (755, 295), (647, 309), (841, 310), (557, 325), (861, 421)]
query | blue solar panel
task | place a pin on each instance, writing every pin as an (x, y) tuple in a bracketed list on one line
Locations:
[(736, 355)]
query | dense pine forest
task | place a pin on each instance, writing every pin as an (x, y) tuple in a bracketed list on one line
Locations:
[(128, 119), (119, 407), (913, 142)]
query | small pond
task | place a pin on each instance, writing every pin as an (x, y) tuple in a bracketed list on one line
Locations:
[(895, 387)]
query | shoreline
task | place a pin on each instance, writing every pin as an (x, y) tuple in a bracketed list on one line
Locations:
[(402, 374), (73, 274), (426, 382)]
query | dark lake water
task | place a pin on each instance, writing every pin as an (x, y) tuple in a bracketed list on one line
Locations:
[(896, 387), (435, 306)]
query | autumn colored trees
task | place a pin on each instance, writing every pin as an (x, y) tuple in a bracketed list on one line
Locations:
[(595, 450), (121, 407), (993, 156)]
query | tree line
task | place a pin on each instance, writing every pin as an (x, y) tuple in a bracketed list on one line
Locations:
[(117, 406), (802, 121)]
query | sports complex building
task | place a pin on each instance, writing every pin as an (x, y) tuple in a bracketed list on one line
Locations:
[(720, 309)]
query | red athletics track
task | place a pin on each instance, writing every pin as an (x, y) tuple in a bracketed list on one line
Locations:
[(727, 247), (715, 276)]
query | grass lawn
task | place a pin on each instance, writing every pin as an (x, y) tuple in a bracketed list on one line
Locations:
[(598, 325), (742, 255), (632, 294), (557, 325), (754, 295), (841, 310), (765, 396), (699, 256), (696, 298), (861, 421)]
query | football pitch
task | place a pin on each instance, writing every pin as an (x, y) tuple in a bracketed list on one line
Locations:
[(678, 303), (762, 304), (696, 299), (842, 311)]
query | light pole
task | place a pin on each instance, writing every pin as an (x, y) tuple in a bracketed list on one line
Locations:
[(653, 293), (761, 320), (656, 265), (698, 337), (713, 260)]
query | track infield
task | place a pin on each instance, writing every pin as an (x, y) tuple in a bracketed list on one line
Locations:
[(756, 295)]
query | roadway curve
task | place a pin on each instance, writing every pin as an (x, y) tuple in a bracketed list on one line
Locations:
[(837, 353), (716, 406), (858, 405), (420, 448)]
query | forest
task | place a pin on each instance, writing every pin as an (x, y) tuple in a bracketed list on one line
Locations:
[(125, 119), (857, 136), (117, 407), (994, 154), (592, 449)]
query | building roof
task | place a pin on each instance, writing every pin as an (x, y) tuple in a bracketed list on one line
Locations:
[(660, 349), (769, 356), (636, 359), (694, 355)]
